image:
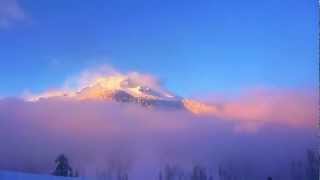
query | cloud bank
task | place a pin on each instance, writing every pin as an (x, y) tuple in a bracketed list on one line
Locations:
[(279, 107), (257, 134)]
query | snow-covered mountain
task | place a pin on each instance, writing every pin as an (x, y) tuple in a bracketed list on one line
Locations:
[(126, 90)]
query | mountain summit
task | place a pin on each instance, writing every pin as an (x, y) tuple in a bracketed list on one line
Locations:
[(124, 89)]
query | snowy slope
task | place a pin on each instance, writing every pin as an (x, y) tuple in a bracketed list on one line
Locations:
[(105, 87), (11, 175), (125, 90)]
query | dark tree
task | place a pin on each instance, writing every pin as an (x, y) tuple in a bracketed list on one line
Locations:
[(171, 172), (225, 172), (297, 170), (76, 174), (313, 164), (199, 173), (62, 166), (160, 176)]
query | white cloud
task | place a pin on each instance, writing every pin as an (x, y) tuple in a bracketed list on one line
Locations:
[(11, 12)]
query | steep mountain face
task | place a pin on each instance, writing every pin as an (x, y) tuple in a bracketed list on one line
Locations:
[(126, 90)]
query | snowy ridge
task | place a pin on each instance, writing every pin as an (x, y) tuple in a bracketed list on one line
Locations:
[(124, 89)]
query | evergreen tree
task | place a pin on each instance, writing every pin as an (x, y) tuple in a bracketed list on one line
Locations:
[(62, 166)]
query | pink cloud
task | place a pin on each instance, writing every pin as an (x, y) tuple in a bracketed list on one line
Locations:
[(282, 107)]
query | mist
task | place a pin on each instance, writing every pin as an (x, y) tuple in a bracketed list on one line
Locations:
[(99, 137)]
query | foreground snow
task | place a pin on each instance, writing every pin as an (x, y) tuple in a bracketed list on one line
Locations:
[(10, 175)]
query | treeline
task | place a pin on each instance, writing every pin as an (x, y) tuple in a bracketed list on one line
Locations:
[(299, 170), (176, 173)]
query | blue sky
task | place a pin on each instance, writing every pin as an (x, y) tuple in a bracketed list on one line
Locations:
[(195, 47)]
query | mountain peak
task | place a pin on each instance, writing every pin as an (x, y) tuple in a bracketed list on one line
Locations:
[(103, 87), (129, 89)]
